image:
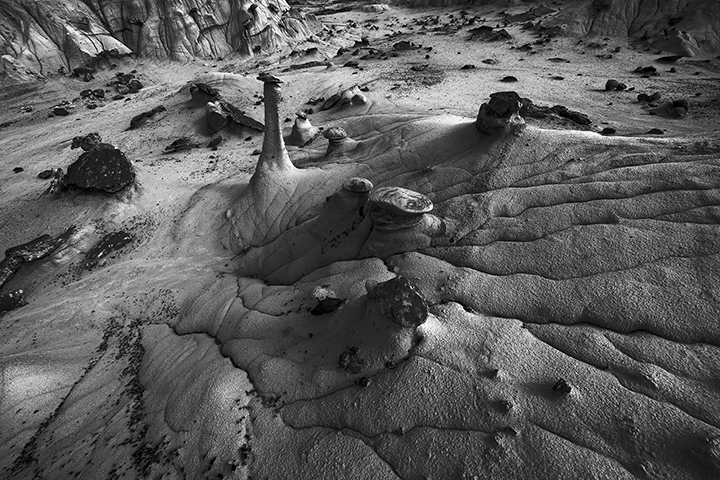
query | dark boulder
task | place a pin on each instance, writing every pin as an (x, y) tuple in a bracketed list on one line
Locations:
[(611, 85), (400, 302), (103, 168), (502, 111)]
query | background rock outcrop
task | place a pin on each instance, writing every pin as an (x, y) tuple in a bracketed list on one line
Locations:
[(46, 36)]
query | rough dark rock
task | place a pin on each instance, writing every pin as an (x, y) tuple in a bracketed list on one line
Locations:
[(180, 144), (109, 243), (650, 70), (45, 174), (215, 142), (577, 117), (238, 116), (87, 142), (562, 387), (215, 117), (351, 361), (18, 169), (61, 111), (27, 252), (12, 300), (501, 112), (142, 118), (608, 131), (327, 305), (400, 302), (103, 168)]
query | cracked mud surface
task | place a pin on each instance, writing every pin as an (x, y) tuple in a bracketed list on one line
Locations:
[(562, 254)]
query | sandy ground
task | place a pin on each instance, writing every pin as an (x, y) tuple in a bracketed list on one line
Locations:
[(591, 258)]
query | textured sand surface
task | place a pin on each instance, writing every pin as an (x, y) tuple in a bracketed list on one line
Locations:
[(552, 252)]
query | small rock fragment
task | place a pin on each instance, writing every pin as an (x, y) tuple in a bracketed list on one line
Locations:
[(182, 143), (561, 386), (109, 243), (509, 79)]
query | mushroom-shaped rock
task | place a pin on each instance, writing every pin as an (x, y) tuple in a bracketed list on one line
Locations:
[(274, 155), (303, 132), (336, 136), (358, 185), (267, 77), (500, 113), (102, 168), (393, 208), (401, 201), (399, 301)]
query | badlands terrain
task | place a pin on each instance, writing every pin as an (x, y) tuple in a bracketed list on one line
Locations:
[(541, 302)]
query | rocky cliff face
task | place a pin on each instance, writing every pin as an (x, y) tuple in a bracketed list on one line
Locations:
[(46, 35), (685, 27)]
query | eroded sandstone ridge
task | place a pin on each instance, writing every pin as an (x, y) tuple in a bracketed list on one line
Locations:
[(48, 35)]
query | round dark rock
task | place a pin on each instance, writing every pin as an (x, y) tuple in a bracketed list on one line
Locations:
[(99, 93), (401, 302), (61, 111), (85, 93), (18, 169), (608, 131), (682, 103), (643, 97), (45, 174), (620, 87), (509, 79), (655, 131), (611, 85)]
